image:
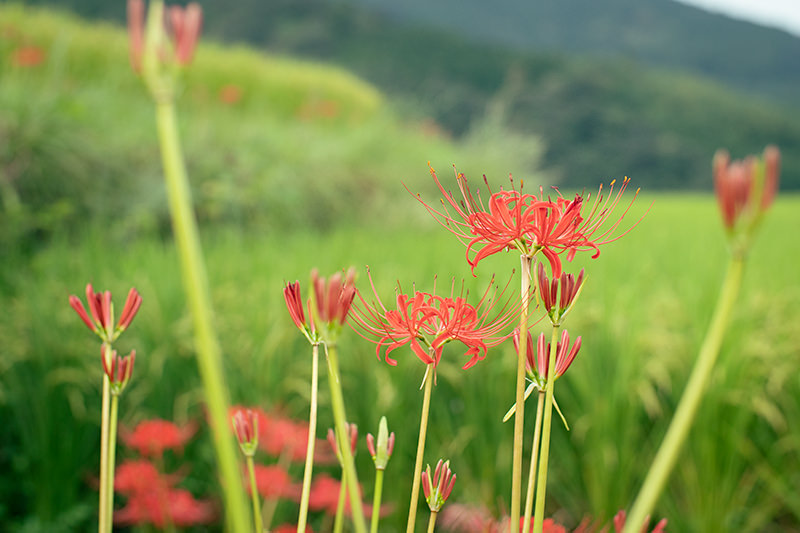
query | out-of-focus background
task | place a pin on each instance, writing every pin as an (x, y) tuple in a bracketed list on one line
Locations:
[(302, 121)]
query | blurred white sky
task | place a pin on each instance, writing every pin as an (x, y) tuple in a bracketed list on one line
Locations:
[(783, 14)]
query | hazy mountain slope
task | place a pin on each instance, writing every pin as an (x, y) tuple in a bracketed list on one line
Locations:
[(656, 32)]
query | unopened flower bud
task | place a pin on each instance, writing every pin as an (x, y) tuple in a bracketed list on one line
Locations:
[(245, 425), (437, 488), (383, 452)]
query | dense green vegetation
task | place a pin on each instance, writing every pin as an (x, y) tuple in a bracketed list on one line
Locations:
[(598, 116), (303, 169)]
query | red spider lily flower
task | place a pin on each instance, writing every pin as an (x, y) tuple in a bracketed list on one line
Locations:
[(119, 370), (273, 482), (381, 454), (332, 300), (28, 56), (485, 231), (184, 29), (102, 312), (160, 508), (280, 436), (294, 302), (558, 307), (152, 437), (426, 322), (288, 528), (511, 219), (245, 425), (621, 516), (538, 363), (745, 187), (324, 497), (137, 475), (352, 433), (560, 226), (438, 488)]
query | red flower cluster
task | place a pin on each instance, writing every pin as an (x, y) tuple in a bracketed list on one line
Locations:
[(279, 435), (151, 437), (184, 29), (324, 497), (153, 497), (511, 219), (273, 482), (537, 358), (102, 314), (747, 186), (426, 322)]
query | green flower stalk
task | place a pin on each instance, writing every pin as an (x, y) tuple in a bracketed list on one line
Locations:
[(331, 301), (745, 190), (245, 426), (437, 489), (352, 436), (117, 373), (380, 456), (294, 303), (160, 63)]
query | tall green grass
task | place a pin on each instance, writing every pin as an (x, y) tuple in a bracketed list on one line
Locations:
[(642, 316)]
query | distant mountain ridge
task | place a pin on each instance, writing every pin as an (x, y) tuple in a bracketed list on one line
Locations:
[(661, 33)]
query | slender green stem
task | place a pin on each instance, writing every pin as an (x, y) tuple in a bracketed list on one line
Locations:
[(376, 501), (519, 415), (251, 471), (312, 438), (104, 520), (196, 286), (690, 401), (339, 417), (432, 521), (534, 451), (338, 523), (541, 483), (112, 453), (423, 430)]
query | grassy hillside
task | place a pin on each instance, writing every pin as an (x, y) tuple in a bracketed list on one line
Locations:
[(271, 142)]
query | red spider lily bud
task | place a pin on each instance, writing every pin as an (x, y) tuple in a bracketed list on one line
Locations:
[(332, 300), (745, 189), (118, 369), (186, 25), (538, 366), (385, 447), (245, 424), (132, 304), (558, 305), (352, 433), (621, 516), (438, 488), (136, 33), (294, 302), (102, 312)]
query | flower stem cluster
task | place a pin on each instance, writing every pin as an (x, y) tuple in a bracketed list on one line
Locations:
[(745, 190), (437, 488), (383, 452)]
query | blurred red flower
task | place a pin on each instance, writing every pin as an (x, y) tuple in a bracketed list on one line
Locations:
[(152, 437), (27, 56), (162, 506), (273, 482), (324, 496)]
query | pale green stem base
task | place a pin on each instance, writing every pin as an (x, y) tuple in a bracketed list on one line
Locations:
[(251, 471), (104, 520), (541, 483), (537, 433), (423, 430), (376, 501), (519, 416), (196, 286), (348, 464), (432, 521), (112, 458), (338, 523), (312, 438), (690, 401)]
